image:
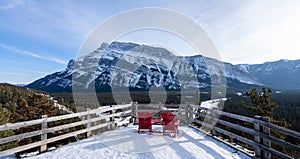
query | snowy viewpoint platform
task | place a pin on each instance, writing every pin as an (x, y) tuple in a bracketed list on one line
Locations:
[(126, 143)]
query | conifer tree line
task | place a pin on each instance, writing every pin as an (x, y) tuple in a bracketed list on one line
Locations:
[(262, 103), (283, 109), (19, 104)]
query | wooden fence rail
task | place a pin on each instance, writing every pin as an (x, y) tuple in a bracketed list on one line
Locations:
[(87, 121), (261, 131)]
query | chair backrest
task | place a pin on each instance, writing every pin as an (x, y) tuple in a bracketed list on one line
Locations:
[(144, 114), (145, 123), (166, 113), (168, 118)]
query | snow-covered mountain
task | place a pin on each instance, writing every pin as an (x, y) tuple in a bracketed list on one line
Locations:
[(282, 74), (140, 67)]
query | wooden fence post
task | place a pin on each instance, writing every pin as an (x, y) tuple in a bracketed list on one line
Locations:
[(266, 130), (43, 147), (136, 110), (132, 113), (88, 125), (213, 131), (257, 138), (187, 113), (191, 113), (112, 119)]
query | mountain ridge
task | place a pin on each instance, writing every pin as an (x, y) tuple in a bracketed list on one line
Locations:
[(154, 70), (281, 74)]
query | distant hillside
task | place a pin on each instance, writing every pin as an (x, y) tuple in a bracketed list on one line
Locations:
[(282, 74), (19, 104)]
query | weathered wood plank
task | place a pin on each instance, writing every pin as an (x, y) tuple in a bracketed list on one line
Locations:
[(74, 133), (20, 148), (50, 119), (261, 135), (242, 139), (44, 126), (200, 114), (231, 125), (50, 140), (57, 128), (129, 117), (275, 152), (220, 139), (286, 131), (203, 124), (88, 125), (56, 118), (266, 142), (247, 141), (150, 105), (122, 106), (49, 130), (20, 124), (39, 121), (253, 132), (120, 113), (235, 116), (257, 137), (61, 127), (280, 129), (148, 110), (20, 136)]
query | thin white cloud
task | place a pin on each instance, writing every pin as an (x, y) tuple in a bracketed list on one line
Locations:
[(256, 31), (248, 31), (14, 74), (29, 53), (10, 4), (65, 25)]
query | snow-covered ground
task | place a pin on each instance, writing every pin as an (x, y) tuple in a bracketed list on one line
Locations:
[(212, 104), (126, 143)]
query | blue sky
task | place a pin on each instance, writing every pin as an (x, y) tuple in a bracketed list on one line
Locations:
[(39, 37)]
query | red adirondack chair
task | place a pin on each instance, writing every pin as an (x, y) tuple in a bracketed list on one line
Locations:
[(169, 123), (144, 121)]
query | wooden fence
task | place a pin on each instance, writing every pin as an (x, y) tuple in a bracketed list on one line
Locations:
[(262, 142), (87, 118)]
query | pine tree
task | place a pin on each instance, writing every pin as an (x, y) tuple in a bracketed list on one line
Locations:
[(261, 102), (4, 118)]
